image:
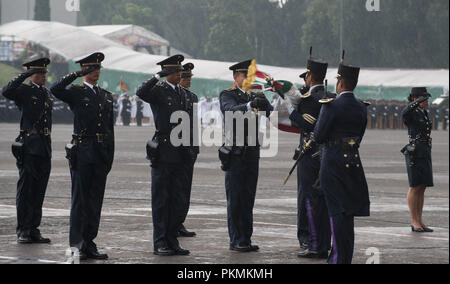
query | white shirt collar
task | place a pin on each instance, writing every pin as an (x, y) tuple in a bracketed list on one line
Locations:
[(35, 84), (346, 92), (90, 85), (170, 84), (315, 86)]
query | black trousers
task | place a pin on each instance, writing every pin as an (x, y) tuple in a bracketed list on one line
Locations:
[(31, 188), (343, 234), (241, 182), (187, 188), (168, 203), (88, 189)]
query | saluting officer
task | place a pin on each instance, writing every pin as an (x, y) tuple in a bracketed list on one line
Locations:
[(168, 161), (341, 127), (92, 161), (126, 110), (191, 151), (33, 151), (139, 111), (241, 177), (418, 154), (311, 201)]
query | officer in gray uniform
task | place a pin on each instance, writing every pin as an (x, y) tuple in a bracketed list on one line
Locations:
[(32, 149)]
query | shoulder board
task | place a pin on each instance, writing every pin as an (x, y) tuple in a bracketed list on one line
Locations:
[(305, 96), (160, 84), (367, 103), (26, 84), (326, 101), (106, 91), (230, 89), (79, 85)]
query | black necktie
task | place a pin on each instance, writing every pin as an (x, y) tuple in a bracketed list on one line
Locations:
[(96, 90)]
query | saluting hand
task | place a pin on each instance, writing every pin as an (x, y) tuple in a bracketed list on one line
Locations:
[(84, 72)]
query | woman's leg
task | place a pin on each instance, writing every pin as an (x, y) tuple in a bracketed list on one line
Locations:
[(421, 202), (413, 203)]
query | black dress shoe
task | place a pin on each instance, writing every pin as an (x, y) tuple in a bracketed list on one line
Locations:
[(428, 230), (164, 251), (254, 248), (40, 240), (304, 246), (24, 240), (243, 248), (313, 254), (185, 233), (83, 256), (96, 255), (181, 251), (417, 230)]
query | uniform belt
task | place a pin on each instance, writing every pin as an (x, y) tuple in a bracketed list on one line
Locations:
[(349, 143), (422, 140), (44, 131), (98, 137)]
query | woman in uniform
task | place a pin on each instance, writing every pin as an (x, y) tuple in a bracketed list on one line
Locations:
[(418, 155)]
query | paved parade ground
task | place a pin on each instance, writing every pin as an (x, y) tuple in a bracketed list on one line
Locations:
[(126, 226)]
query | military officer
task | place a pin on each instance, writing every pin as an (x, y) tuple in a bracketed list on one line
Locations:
[(168, 161), (311, 201), (242, 173), (126, 110), (191, 151), (139, 111), (92, 159), (34, 154), (341, 126), (418, 154)]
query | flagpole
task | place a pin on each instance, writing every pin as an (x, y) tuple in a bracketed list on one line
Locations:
[(342, 26)]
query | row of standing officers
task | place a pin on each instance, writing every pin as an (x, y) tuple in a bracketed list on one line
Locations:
[(332, 189)]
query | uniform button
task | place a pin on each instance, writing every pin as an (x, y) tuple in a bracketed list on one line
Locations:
[(356, 156), (358, 165), (345, 156), (45, 120), (99, 124), (347, 166), (100, 115), (87, 104), (100, 105)]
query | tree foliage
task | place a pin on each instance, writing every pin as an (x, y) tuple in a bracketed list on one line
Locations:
[(404, 34)]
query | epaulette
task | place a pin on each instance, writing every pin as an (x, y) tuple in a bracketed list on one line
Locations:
[(230, 89), (326, 101), (79, 85), (367, 103), (160, 84), (305, 96), (187, 90), (106, 91), (26, 84)]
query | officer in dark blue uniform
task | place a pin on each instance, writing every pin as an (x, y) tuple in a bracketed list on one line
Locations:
[(418, 154), (91, 154), (311, 201), (242, 165), (191, 151), (341, 126), (126, 110), (168, 161), (32, 149), (139, 111)]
